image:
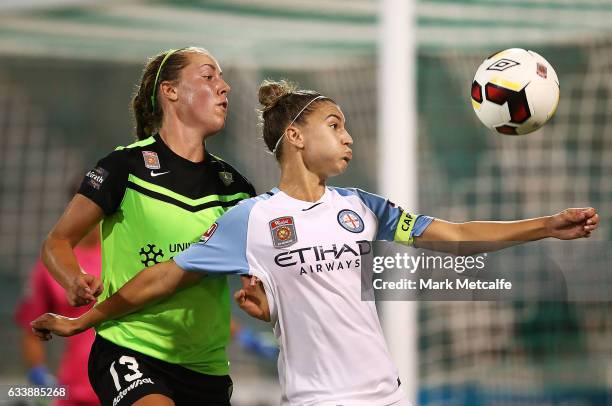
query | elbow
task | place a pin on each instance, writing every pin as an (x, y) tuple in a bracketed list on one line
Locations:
[(468, 243), (456, 240), (163, 280), (468, 249), (46, 250), (463, 243)]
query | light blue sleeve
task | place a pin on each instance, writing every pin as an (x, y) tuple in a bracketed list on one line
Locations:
[(394, 224), (222, 248)]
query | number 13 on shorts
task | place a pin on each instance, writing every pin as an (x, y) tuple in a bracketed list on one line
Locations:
[(131, 364)]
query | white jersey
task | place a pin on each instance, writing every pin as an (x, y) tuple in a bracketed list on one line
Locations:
[(309, 258)]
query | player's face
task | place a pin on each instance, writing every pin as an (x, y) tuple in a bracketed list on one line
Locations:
[(202, 94), (327, 143)]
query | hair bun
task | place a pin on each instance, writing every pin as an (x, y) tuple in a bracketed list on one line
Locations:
[(271, 91)]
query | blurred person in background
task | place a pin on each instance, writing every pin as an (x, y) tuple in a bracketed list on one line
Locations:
[(44, 293), (305, 241), (153, 199)]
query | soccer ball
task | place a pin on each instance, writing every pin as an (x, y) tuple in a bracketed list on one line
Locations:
[(515, 92)]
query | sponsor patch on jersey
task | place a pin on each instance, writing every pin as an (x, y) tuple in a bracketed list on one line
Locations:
[(226, 177), (283, 232), (96, 176), (211, 230), (151, 160), (350, 221)]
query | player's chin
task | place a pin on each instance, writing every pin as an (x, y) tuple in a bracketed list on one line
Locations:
[(215, 123), (341, 167), (344, 163)]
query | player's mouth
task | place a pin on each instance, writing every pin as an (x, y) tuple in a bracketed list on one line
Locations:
[(348, 156), (223, 105)]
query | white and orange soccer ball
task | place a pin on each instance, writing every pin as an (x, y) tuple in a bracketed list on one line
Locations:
[(515, 92)]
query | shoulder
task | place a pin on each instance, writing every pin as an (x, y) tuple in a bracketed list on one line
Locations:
[(138, 145), (123, 154), (234, 224), (244, 208), (232, 174), (370, 199)]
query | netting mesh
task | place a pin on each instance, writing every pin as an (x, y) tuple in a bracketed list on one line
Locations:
[(467, 173)]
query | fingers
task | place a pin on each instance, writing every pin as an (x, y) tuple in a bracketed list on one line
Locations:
[(240, 297), (42, 335), (574, 215), (583, 213), (41, 327), (591, 224), (97, 287), (246, 281), (249, 282), (72, 300), (44, 322), (84, 291), (593, 220), (589, 212)]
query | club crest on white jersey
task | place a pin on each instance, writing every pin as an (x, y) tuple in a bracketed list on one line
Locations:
[(350, 221)]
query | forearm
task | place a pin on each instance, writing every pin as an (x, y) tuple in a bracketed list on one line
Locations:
[(475, 237), (489, 236), (505, 231), (58, 256), (148, 286)]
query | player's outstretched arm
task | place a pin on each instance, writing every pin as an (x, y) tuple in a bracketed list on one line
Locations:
[(149, 285), (463, 238)]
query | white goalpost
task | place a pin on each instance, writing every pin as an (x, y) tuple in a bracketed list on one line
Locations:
[(397, 153)]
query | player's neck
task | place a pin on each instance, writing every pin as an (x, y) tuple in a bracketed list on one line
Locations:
[(187, 142), (301, 184)]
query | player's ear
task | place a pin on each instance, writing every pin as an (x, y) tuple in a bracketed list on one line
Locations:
[(168, 90), (295, 136)]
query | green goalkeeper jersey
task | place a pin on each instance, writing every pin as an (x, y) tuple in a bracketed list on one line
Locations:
[(156, 204)]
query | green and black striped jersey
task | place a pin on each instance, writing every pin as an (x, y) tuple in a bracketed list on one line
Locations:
[(156, 204)]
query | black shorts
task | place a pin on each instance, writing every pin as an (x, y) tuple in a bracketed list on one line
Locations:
[(121, 376)]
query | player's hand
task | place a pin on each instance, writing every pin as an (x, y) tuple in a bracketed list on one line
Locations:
[(573, 223), (252, 298), (83, 289), (51, 323)]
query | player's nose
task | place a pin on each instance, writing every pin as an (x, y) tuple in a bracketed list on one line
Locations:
[(224, 88)]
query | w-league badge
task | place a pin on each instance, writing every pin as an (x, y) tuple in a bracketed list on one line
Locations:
[(283, 232), (211, 230), (151, 160)]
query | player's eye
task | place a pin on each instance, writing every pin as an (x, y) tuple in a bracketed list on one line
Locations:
[(208, 77), (334, 126)]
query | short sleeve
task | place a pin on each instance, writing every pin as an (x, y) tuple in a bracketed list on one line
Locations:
[(222, 248), (105, 184), (394, 223)]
